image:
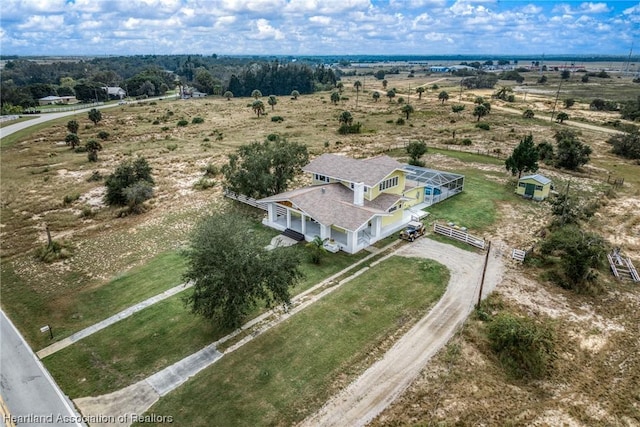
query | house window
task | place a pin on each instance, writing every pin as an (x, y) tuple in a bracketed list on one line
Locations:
[(388, 183), (538, 187), (522, 184), (395, 208), (322, 178), (366, 189)]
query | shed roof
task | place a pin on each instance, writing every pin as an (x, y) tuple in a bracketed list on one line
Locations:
[(368, 171), (538, 178), (332, 204)]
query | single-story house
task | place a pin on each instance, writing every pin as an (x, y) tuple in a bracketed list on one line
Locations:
[(536, 187), (48, 100), (353, 203), (439, 69), (114, 92)]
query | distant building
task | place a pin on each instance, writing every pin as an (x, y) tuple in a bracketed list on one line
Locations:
[(114, 92), (48, 100), (439, 69)]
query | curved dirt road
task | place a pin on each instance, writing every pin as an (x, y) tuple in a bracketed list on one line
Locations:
[(385, 380)]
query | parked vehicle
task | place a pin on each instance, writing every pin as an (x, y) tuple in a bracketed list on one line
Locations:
[(413, 230)]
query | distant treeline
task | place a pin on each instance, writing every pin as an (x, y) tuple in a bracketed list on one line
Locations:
[(24, 81)]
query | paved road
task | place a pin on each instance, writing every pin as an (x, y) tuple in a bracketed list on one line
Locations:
[(45, 117), (27, 389), (385, 380)]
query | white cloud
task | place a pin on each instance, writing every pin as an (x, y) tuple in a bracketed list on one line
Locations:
[(594, 8), (262, 30), (322, 20), (43, 23)]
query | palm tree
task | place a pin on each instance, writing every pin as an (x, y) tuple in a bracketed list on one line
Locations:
[(93, 147), (562, 116), (335, 97), (376, 96), (340, 87), (480, 111), (258, 107), (357, 84), (317, 249), (346, 118), (443, 96), (295, 94), (256, 94), (479, 100), (228, 94), (528, 114), (407, 109), (272, 101), (420, 91)]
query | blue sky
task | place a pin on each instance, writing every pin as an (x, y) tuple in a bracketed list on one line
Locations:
[(317, 27)]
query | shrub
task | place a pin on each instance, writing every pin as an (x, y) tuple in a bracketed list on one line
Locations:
[(70, 198), (347, 129), (277, 119), (197, 120), (466, 141), (126, 174), (87, 212), (136, 194), (172, 147), (525, 348), (103, 135), (95, 176), (156, 122), (182, 122), (204, 183), (53, 252), (483, 126), (528, 114), (400, 121), (210, 170), (80, 149), (164, 128)]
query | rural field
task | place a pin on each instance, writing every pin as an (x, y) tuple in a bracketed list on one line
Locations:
[(117, 260)]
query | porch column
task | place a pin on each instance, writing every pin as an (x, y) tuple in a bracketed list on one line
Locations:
[(288, 218), (325, 232), (352, 241), (303, 218), (377, 226), (271, 212)]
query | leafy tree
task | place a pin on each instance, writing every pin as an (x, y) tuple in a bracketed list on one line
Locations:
[(73, 126), (256, 94), (571, 153), (528, 114), (443, 96), (407, 109), (415, 150), (376, 96), (420, 90), (565, 75), (264, 169), (569, 102), (504, 93), (542, 80), (335, 97), (391, 94), (233, 273), (379, 74), (561, 117), (585, 79), (136, 194), (72, 140), (579, 254), (295, 94), (384, 84), (628, 144), (340, 87), (598, 104), (272, 101), (317, 249), (480, 111), (93, 147), (258, 107), (525, 348), (228, 94), (457, 108), (95, 116), (546, 152), (479, 100), (524, 157), (631, 109), (481, 81), (126, 174), (345, 118)]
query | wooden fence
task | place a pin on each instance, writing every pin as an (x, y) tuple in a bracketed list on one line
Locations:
[(244, 199), (460, 235)]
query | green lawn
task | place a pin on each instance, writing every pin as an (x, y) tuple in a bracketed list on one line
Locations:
[(288, 372), (129, 350)]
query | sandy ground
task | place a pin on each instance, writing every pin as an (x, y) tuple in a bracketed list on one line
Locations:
[(384, 381)]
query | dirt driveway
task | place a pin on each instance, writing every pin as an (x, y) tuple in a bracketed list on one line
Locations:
[(385, 380)]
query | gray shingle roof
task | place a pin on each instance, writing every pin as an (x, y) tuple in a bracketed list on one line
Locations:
[(332, 204), (369, 171)]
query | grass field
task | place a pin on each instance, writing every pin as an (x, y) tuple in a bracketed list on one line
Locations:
[(293, 368)]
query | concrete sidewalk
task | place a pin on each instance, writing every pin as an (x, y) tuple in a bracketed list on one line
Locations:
[(66, 342)]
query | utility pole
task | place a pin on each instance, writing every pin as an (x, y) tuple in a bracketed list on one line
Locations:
[(556, 102), (484, 271)]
